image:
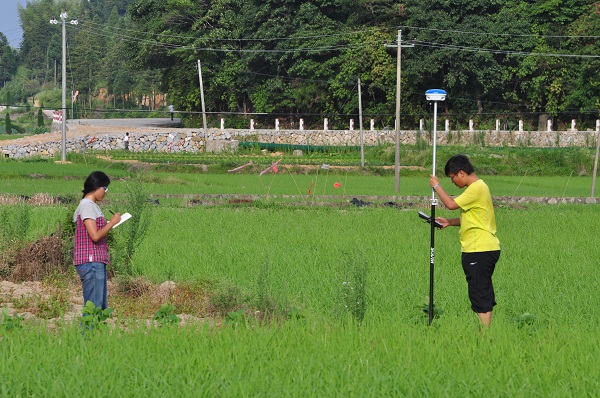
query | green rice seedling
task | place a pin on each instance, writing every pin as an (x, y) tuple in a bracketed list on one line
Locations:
[(547, 268), (14, 223)]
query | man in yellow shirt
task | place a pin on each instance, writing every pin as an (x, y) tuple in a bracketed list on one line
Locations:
[(479, 245)]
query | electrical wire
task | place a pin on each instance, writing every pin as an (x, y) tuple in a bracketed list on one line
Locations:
[(350, 33), (173, 46), (471, 33), (242, 39), (418, 43), (506, 52)]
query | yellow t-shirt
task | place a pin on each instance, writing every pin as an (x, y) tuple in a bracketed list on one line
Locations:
[(477, 219)]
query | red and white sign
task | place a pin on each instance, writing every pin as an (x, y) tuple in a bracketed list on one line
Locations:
[(57, 116)]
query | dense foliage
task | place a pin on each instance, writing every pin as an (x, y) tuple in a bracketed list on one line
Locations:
[(530, 59)]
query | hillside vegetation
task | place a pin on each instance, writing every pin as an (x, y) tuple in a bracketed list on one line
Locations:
[(530, 59)]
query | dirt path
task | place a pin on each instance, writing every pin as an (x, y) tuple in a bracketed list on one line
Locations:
[(32, 300)]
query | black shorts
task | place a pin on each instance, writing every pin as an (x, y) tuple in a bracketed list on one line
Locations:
[(479, 268)]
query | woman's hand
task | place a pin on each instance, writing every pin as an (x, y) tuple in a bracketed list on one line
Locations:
[(115, 219)]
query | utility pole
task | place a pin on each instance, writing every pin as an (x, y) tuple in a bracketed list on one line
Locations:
[(63, 17), (398, 92), (596, 158), (202, 99), (360, 124)]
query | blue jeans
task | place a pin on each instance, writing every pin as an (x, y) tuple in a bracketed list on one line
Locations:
[(93, 282)]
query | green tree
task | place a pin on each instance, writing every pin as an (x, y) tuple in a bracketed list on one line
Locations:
[(41, 46), (581, 82), (8, 60), (88, 47), (293, 58), (462, 47), (7, 124), (40, 118), (552, 79)]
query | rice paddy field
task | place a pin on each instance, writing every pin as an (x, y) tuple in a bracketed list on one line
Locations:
[(352, 282)]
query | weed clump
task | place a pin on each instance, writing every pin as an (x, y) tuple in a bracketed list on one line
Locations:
[(353, 297), (38, 260), (225, 298)]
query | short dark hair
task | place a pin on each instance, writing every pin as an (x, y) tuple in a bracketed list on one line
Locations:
[(94, 181), (457, 163)]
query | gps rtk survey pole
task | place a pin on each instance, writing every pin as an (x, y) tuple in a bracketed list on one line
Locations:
[(434, 95)]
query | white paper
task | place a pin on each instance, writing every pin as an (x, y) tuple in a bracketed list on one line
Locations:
[(124, 217)]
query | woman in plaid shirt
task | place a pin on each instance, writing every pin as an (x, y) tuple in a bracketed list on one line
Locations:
[(90, 254)]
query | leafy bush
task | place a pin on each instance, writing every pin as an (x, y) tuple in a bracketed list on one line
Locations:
[(165, 316), (236, 318), (11, 322), (128, 237), (94, 316), (50, 99)]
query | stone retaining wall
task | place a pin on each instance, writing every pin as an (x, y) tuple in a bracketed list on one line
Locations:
[(372, 138), (216, 140)]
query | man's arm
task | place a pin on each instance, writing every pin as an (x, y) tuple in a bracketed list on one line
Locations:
[(446, 199), (448, 222)]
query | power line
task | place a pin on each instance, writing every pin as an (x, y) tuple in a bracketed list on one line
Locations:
[(101, 30), (471, 33), (506, 52), (339, 47), (244, 39), (351, 33), (171, 46)]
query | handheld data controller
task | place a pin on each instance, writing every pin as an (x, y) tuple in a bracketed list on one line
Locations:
[(428, 219)]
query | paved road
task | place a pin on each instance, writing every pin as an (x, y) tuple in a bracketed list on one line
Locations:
[(125, 122), (142, 122)]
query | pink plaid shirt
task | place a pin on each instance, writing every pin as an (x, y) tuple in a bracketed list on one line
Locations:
[(85, 249)]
